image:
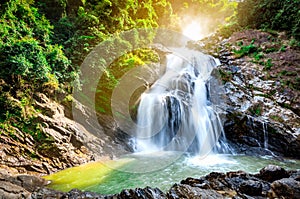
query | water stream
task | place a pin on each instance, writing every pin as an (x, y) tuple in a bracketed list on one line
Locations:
[(265, 129)]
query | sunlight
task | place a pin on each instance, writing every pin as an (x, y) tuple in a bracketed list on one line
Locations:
[(193, 31)]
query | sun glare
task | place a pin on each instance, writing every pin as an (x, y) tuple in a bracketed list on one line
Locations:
[(193, 31)]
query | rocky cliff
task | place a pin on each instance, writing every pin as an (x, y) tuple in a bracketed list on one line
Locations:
[(260, 73), (68, 143)]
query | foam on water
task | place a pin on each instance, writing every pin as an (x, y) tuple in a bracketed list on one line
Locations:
[(210, 160)]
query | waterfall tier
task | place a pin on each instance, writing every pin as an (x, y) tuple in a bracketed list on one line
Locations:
[(175, 113)]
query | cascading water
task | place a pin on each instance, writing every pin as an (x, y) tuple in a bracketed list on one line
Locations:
[(175, 113)]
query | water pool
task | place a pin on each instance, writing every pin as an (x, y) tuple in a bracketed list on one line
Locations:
[(160, 170)]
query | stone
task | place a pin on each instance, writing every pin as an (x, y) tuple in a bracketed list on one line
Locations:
[(148, 192), (47, 193), (19, 186), (69, 142), (251, 187), (179, 191), (271, 173), (30, 183), (285, 188), (295, 175), (9, 190)]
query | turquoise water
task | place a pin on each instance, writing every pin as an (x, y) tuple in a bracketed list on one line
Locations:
[(160, 170)]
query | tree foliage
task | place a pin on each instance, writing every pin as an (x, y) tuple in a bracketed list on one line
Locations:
[(29, 63), (25, 47), (281, 15)]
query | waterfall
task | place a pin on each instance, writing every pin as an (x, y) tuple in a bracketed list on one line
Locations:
[(175, 114), (265, 130)]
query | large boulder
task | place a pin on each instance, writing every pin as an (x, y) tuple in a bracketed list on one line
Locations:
[(271, 173)]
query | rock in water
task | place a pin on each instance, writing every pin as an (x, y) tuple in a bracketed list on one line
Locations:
[(271, 173)]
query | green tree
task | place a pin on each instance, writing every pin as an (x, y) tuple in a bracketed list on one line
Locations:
[(271, 14), (25, 47)]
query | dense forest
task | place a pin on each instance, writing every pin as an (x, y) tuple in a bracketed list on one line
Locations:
[(43, 43)]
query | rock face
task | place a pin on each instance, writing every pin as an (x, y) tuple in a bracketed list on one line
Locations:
[(260, 74), (69, 143), (271, 182)]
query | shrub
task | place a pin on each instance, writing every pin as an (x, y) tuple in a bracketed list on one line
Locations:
[(245, 50)]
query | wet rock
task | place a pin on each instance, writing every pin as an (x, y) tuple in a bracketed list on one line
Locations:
[(216, 181), (189, 192), (271, 173), (285, 188), (46, 193), (295, 175), (139, 193), (73, 194), (231, 184), (251, 187)]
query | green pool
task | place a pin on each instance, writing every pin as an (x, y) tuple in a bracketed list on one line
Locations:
[(160, 170)]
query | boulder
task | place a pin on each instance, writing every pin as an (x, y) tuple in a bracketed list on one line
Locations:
[(251, 187), (11, 191), (145, 193), (271, 173), (179, 191), (18, 186), (285, 188)]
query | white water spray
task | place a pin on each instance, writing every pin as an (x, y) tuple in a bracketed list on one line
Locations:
[(175, 114)]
